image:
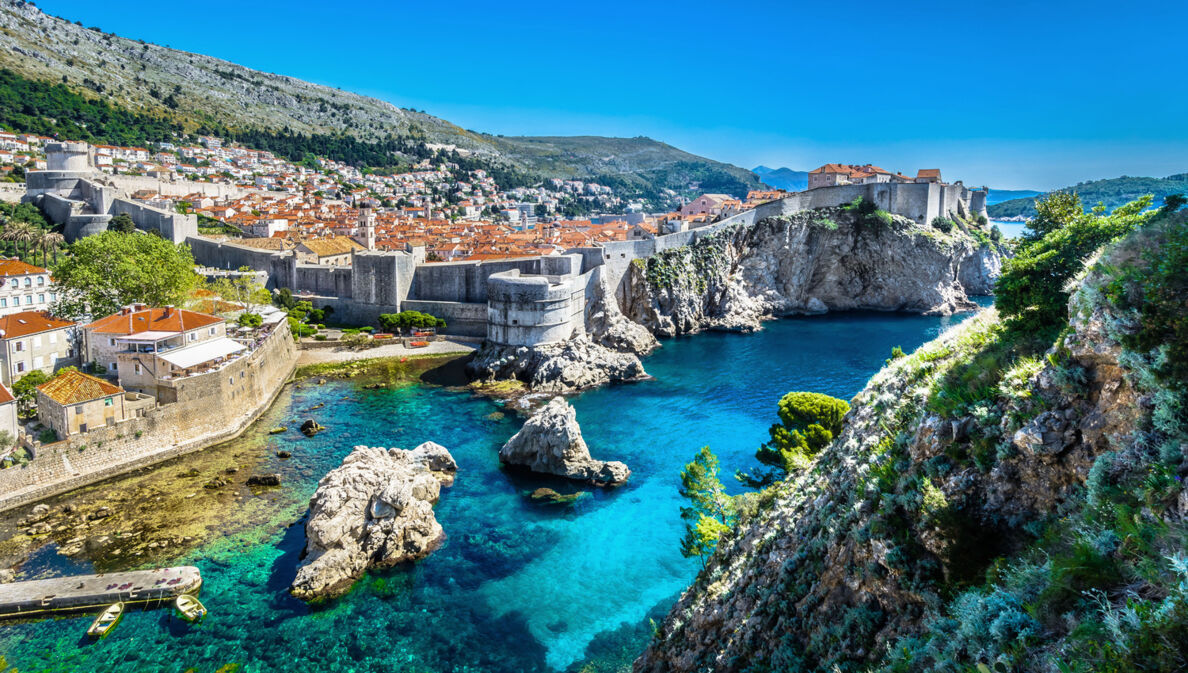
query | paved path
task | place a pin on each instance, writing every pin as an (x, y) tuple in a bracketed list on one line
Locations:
[(91, 592), (319, 355)]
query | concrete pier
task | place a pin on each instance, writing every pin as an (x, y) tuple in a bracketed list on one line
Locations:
[(82, 593)]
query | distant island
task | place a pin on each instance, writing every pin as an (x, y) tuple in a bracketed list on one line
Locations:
[(1112, 192)]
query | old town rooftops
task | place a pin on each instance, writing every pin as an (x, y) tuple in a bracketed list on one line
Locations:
[(74, 387), (137, 318), (29, 322)]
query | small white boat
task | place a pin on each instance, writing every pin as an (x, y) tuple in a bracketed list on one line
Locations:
[(106, 621), (191, 608)]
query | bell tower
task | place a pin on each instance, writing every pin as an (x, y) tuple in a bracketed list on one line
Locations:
[(366, 235)]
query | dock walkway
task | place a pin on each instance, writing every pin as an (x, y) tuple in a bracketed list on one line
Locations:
[(81, 593)]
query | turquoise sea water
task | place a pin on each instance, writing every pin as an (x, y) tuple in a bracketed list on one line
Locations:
[(1010, 229), (518, 586)]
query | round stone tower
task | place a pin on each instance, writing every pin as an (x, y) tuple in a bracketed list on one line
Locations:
[(74, 157)]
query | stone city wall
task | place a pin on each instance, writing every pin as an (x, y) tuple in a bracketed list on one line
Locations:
[(174, 227), (216, 407), (536, 310)]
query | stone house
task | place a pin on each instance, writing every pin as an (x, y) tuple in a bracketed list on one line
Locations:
[(711, 204), (139, 328), (928, 175), (35, 340), (24, 287), (334, 251), (73, 402)]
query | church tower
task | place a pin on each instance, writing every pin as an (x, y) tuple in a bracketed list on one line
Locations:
[(366, 235)]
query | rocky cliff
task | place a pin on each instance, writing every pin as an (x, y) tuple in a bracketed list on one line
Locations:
[(989, 506), (375, 510), (810, 262)]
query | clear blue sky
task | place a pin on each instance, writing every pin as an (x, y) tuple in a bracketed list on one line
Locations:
[(1009, 94)]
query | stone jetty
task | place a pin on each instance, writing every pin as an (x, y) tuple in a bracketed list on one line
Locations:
[(82, 593)]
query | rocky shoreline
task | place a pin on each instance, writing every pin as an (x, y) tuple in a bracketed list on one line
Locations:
[(550, 442)]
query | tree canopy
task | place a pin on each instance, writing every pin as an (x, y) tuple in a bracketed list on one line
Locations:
[(808, 423), (113, 269), (711, 511)]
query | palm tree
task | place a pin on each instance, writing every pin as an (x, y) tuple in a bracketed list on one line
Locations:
[(49, 240), (19, 232)]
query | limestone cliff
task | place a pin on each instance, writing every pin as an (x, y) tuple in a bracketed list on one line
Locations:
[(810, 262), (981, 511), (551, 443), (565, 367)]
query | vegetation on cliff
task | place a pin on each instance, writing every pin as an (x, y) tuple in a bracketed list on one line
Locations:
[(1111, 193), (1007, 498)]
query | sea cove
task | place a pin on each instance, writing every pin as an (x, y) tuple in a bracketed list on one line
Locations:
[(518, 586)]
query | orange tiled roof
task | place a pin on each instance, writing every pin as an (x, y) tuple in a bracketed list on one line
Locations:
[(325, 247), (5, 395), (15, 267), (73, 387), (152, 319), (29, 322)]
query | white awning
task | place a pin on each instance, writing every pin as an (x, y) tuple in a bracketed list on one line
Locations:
[(142, 337), (184, 358)]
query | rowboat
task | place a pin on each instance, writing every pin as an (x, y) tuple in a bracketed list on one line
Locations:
[(190, 608), (106, 621), (277, 430)]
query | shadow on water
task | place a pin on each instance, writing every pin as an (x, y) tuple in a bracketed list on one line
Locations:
[(451, 373)]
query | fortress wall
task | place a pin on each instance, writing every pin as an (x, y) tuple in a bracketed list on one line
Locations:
[(217, 190), (280, 267), (464, 281), (58, 208), (328, 281), (462, 319), (172, 226), (216, 407)]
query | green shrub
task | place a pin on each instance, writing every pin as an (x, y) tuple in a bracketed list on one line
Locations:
[(319, 337), (1031, 290), (942, 224), (808, 423), (250, 320), (390, 322), (47, 436)]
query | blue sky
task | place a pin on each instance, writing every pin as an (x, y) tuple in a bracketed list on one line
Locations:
[(1009, 94)]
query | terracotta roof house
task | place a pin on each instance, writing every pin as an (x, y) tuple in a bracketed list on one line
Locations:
[(139, 328), (32, 340), (928, 175), (333, 251), (24, 287), (73, 402)]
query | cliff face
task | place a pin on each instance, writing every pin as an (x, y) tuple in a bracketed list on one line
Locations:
[(810, 262), (1031, 525)]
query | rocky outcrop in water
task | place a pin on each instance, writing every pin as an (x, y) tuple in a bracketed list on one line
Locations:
[(556, 368), (551, 443), (810, 262), (373, 511)]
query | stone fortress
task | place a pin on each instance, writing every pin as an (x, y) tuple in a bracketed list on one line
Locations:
[(74, 194), (530, 301)]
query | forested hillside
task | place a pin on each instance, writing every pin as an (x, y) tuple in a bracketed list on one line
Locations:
[(1112, 192)]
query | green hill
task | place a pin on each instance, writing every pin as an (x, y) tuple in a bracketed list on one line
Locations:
[(169, 88), (1112, 192)]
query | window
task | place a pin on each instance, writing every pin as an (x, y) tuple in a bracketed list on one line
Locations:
[(20, 367), (28, 281), (193, 336), (20, 346), (78, 410), (41, 298), (138, 368), (113, 366), (111, 342), (3, 303), (41, 281), (108, 402), (212, 331), (29, 299), (15, 283)]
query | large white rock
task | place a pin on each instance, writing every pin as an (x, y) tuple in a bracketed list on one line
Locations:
[(374, 510), (551, 443)]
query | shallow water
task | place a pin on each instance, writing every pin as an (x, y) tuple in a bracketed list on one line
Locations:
[(518, 586)]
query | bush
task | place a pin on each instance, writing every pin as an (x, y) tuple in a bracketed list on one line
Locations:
[(47, 436), (250, 320), (942, 224), (319, 337), (809, 422), (1031, 289), (390, 322)]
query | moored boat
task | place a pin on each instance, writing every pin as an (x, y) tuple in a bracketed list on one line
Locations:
[(277, 430), (191, 608), (106, 621)]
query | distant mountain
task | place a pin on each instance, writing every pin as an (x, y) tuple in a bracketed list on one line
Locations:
[(1000, 195), (782, 178), (200, 92), (1112, 192)]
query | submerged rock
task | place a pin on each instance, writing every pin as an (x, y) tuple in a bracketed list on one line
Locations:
[(551, 497), (551, 443), (264, 480), (311, 427), (557, 368), (375, 510)]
